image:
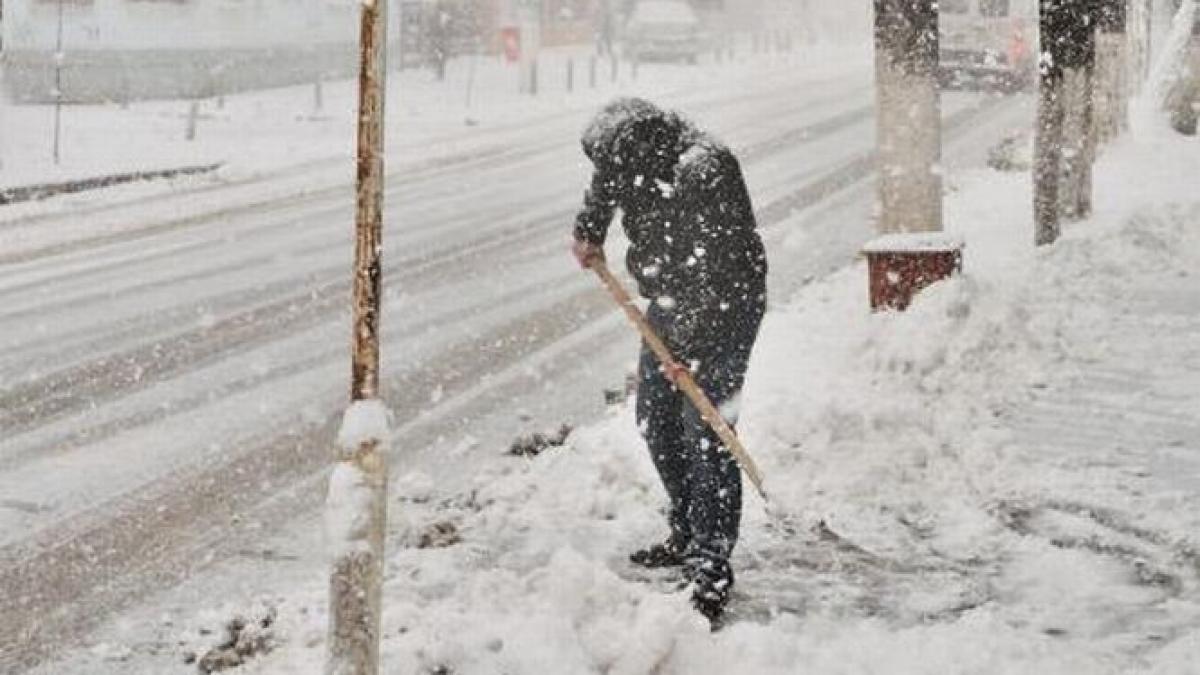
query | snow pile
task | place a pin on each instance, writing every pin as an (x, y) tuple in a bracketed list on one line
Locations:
[(348, 505), (881, 436)]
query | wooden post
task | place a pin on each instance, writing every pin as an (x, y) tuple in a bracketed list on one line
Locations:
[(909, 116), (355, 611), (570, 75)]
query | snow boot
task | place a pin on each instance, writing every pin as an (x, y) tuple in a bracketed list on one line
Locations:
[(666, 554), (711, 581)]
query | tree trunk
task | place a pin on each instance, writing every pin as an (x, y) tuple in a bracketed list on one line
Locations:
[(1088, 145), (1047, 155), (1068, 44), (1078, 144), (1112, 94), (909, 116)]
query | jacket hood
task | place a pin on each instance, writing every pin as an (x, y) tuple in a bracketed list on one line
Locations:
[(634, 134)]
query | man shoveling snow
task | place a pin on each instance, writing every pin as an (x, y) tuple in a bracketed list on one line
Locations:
[(696, 257)]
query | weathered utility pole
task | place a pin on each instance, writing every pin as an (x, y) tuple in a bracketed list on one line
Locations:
[(910, 253), (909, 116), (357, 504), (1067, 44)]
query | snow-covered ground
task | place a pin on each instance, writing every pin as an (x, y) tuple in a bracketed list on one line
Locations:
[(1004, 479)]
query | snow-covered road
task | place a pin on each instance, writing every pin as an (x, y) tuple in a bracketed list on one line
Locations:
[(171, 369)]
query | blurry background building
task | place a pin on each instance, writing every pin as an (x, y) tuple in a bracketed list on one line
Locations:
[(117, 50)]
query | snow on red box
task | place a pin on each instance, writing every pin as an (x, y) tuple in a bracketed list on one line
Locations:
[(900, 265)]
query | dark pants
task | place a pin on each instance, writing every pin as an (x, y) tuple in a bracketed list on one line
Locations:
[(701, 477)]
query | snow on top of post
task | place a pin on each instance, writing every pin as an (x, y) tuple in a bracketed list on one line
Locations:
[(364, 421), (914, 242)]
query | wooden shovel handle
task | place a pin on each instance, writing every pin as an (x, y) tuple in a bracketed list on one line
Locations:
[(685, 381)]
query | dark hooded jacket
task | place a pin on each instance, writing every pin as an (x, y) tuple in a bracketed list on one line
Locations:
[(693, 248)]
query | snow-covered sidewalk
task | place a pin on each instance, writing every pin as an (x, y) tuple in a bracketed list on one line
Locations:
[(1004, 479)]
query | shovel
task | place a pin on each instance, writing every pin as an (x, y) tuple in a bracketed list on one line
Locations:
[(684, 380)]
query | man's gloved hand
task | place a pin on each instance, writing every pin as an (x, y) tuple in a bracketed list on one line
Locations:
[(673, 370), (587, 253)]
